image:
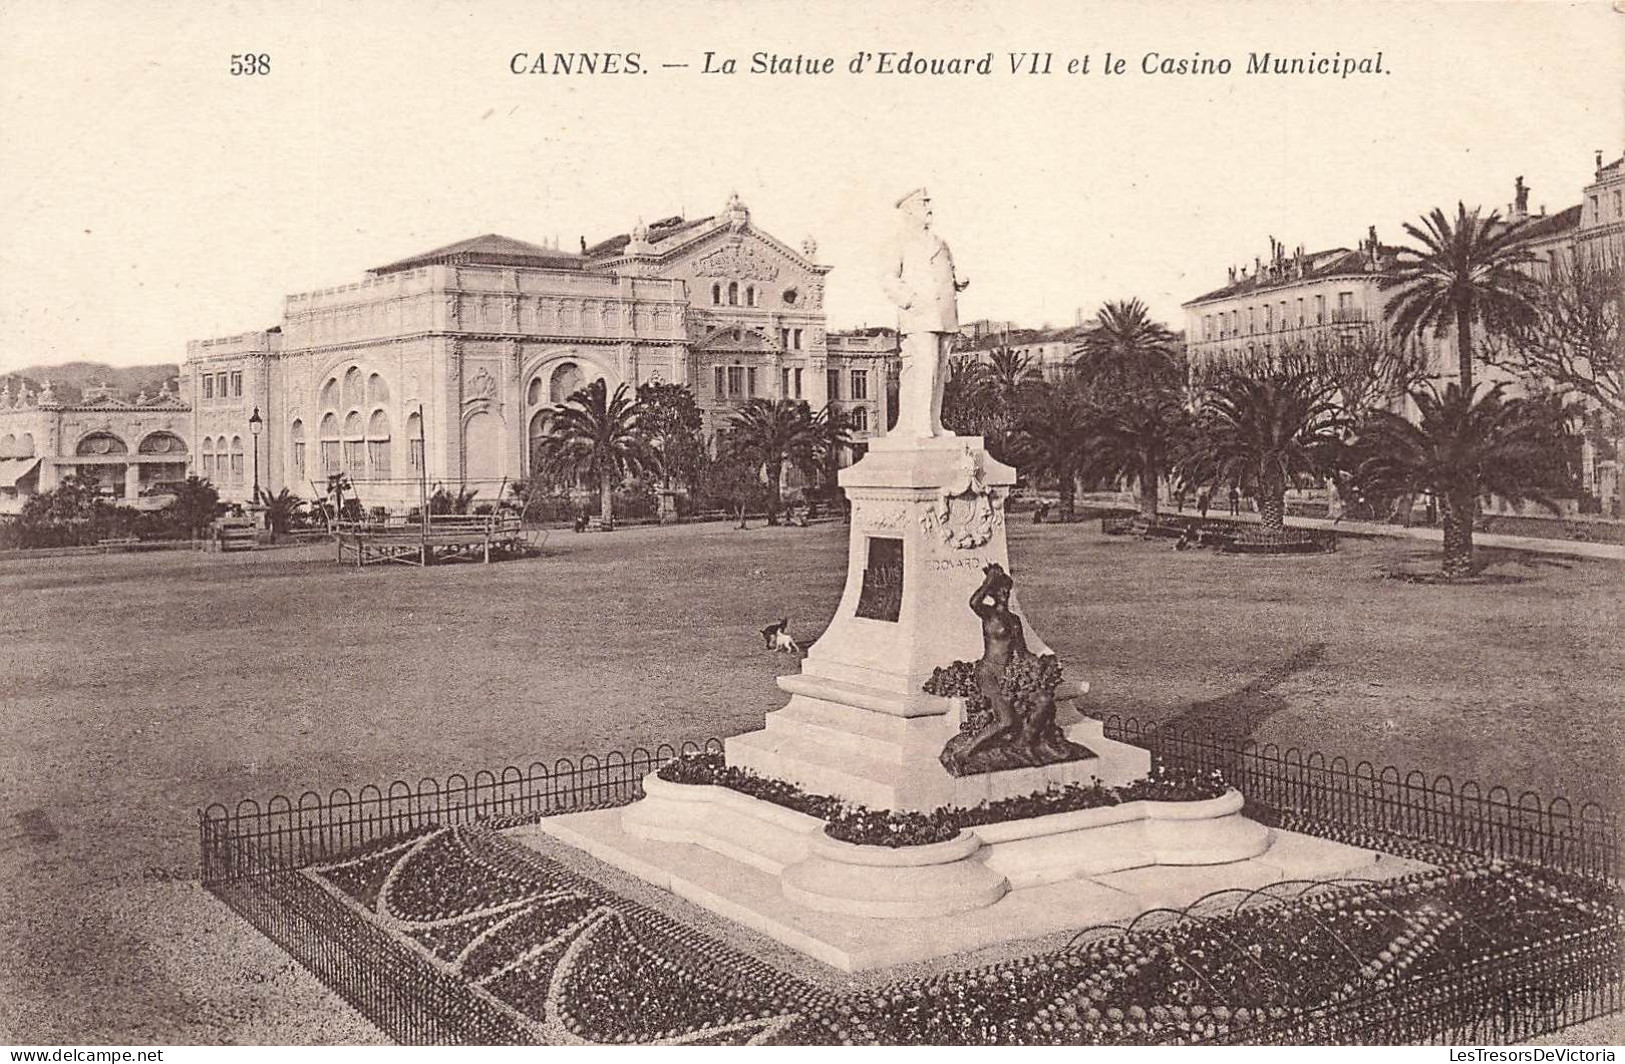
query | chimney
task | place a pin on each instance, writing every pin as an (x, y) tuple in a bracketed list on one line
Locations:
[(1520, 200), (1599, 160)]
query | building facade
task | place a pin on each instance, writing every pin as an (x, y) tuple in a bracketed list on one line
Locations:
[(440, 368), (134, 449), (1299, 297)]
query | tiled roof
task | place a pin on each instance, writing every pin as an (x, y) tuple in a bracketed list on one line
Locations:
[(1542, 226), (492, 249), (664, 229), (1334, 262)]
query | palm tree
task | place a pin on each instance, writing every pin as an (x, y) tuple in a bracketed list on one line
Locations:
[(1465, 446), (770, 432), (1140, 437), (599, 438), (1126, 341), (832, 433), (965, 396), (1052, 437), (280, 510), (1467, 271), (1264, 434)]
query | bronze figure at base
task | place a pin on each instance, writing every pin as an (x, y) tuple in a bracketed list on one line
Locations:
[(1010, 693)]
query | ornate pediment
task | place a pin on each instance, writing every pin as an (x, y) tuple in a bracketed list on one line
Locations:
[(739, 261)]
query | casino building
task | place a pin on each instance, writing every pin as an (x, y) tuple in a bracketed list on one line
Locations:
[(442, 365)]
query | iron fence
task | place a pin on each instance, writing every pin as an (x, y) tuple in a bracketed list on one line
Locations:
[(247, 850), (287, 834), (1320, 794)]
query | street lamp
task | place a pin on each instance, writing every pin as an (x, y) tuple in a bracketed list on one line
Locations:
[(256, 425)]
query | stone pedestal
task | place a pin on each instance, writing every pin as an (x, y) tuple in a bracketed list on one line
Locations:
[(927, 519)]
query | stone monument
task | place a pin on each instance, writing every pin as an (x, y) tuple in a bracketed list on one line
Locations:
[(929, 603)]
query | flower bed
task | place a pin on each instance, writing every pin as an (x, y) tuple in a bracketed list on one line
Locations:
[(870, 827), (1434, 954)]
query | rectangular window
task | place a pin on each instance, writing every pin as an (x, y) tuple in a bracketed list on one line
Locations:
[(237, 467), (722, 387), (1281, 322), (354, 458), (220, 385), (1250, 322), (237, 384), (1345, 306), (798, 339), (1269, 317), (330, 456), (736, 380), (299, 459), (208, 386), (750, 381), (378, 458), (1320, 310), (832, 381), (416, 448), (1300, 312), (798, 383), (860, 384), (784, 382)]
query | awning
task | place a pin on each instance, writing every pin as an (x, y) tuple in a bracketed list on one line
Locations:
[(14, 469)]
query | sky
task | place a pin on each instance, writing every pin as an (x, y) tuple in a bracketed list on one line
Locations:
[(148, 197)]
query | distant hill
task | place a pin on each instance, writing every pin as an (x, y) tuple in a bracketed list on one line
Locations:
[(70, 379)]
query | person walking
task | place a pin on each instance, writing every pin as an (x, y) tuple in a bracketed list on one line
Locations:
[(1204, 498), (1235, 501)]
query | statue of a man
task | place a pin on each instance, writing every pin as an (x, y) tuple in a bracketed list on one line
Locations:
[(920, 280)]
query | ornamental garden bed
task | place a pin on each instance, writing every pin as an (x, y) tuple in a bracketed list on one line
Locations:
[(458, 934), (896, 828)]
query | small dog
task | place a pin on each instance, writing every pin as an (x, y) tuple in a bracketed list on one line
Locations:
[(776, 637)]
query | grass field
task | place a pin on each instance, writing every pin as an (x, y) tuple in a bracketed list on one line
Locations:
[(134, 689)]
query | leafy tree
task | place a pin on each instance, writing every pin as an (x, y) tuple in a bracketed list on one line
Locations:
[(442, 501), (770, 433), (1051, 439), (1264, 434), (601, 439), (196, 505), (1465, 446), (736, 483), (1470, 271), (672, 421)]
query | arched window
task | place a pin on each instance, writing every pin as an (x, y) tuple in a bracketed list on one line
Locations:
[(414, 440), (750, 295), (354, 395), (237, 460), (377, 390), (716, 295), (99, 443), (538, 432), (378, 445), (567, 379), (296, 438), (733, 293), (206, 466), (355, 441), (330, 443), (25, 445), (330, 394), (8, 445), (860, 418), (162, 443), (535, 392)]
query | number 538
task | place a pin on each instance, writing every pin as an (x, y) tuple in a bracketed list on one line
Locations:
[(250, 64)]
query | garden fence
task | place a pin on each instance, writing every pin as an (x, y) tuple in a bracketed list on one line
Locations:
[(246, 852)]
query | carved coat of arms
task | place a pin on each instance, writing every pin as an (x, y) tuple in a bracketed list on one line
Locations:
[(966, 512)]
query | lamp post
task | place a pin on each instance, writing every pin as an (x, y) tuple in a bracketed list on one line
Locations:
[(256, 425)]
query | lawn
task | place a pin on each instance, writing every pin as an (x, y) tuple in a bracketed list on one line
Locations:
[(136, 688)]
